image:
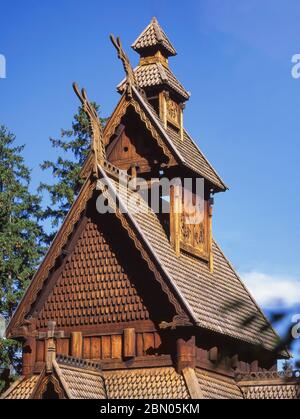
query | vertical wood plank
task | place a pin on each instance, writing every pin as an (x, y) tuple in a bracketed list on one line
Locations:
[(106, 347), (76, 344), (116, 347), (140, 344), (62, 346), (40, 351), (129, 343), (95, 348), (175, 217), (87, 348), (148, 343)]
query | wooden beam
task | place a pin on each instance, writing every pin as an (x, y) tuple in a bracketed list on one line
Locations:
[(192, 383)]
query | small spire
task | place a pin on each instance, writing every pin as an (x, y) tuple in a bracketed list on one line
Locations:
[(154, 37)]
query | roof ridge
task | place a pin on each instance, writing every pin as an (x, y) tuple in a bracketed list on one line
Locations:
[(158, 30), (78, 363), (288, 376), (162, 72)]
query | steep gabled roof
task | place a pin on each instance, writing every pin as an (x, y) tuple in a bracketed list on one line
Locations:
[(80, 379), (57, 247), (21, 389), (209, 297), (215, 386), (205, 296), (190, 154), (153, 36), (54, 251), (185, 151)]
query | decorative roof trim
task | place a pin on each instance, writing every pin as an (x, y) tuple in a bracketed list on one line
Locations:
[(78, 363), (283, 376)]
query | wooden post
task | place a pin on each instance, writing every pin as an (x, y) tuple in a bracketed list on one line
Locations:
[(186, 353), (211, 256), (181, 106), (163, 98), (76, 344), (129, 343), (50, 353), (175, 217)]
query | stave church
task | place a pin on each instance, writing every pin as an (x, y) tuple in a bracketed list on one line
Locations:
[(135, 303)]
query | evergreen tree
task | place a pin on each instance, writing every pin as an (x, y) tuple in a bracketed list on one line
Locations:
[(21, 237), (75, 144)]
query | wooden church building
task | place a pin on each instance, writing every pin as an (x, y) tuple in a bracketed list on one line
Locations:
[(134, 303)]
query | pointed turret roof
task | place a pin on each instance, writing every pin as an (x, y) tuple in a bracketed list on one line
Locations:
[(153, 36)]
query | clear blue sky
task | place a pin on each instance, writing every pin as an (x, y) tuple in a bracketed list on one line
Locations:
[(235, 58)]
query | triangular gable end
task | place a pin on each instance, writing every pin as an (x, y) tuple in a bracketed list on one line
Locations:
[(78, 227), (100, 281), (134, 104)]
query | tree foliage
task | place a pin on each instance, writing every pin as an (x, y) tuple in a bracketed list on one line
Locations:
[(74, 145), (21, 236)]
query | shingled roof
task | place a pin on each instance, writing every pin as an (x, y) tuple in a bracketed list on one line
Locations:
[(209, 297), (215, 386), (81, 379), (22, 388), (155, 74), (153, 36), (148, 383), (186, 150), (270, 385)]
